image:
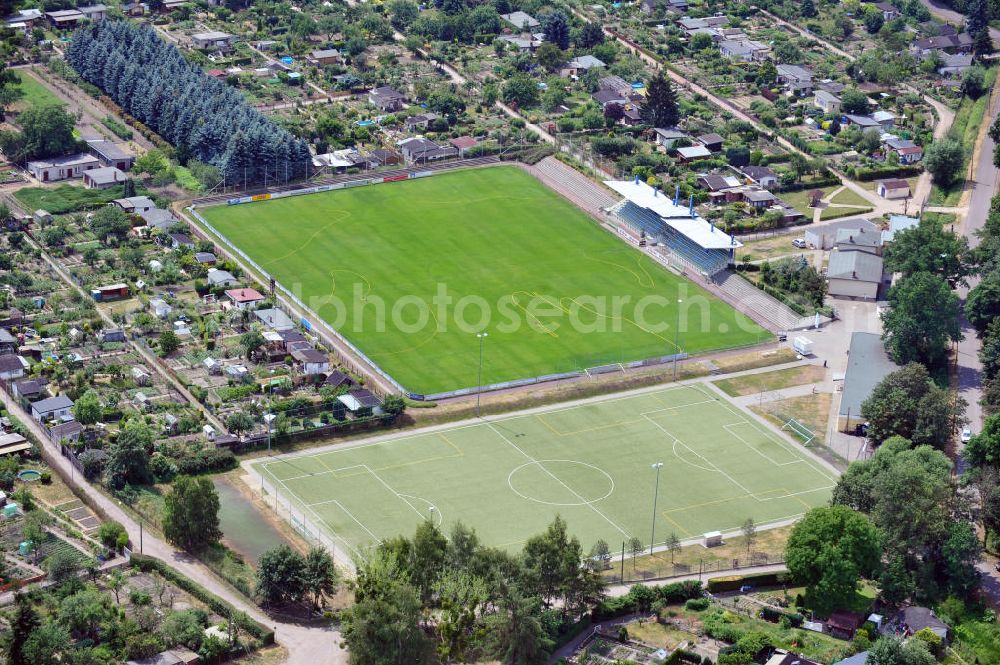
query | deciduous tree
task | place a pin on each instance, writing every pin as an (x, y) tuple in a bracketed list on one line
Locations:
[(191, 514), (921, 320), (831, 550)]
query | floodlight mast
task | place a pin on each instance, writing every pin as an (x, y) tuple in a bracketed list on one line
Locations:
[(652, 532)]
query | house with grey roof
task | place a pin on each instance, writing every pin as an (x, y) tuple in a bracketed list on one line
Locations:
[(867, 364), (158, 218), (580, 65), (521, 20), (826, 101), (110, 154), (12, 366), (134, 204), (858, 240), (386, 98), (104, 177), (212, 40), (52, 408), (795, 78), (854, 275)]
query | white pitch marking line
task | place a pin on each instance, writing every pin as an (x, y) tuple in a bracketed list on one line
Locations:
[(556, 478)]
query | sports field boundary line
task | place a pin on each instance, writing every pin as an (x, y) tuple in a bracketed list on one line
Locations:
[(361, 361), (547, 408)]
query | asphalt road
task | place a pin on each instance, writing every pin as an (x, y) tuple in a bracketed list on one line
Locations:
[(984, 186)]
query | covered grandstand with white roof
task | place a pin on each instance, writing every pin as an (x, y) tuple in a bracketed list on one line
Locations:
[(677, 227)]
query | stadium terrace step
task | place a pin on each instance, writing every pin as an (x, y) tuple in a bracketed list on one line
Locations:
[(762, 304), (574, 185)]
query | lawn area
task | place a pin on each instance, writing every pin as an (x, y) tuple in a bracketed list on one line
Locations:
[(68, 198), (849, 197), (35, 94), (411, 271), (801, 199), (813, 411), (768, 381), (942, 218), (186, 180), (770, 247), (588, 462)]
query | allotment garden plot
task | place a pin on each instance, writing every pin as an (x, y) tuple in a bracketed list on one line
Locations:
[(590, 463), (410, 272)]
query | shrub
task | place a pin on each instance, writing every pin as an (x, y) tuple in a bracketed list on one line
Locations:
[(263, 634), (734, 582), (697, 604)]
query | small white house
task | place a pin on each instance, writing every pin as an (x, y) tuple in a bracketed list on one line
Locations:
[(140, 376), (238, 373), (218, 277), (12, 366), (62, 168), (893, 189), (160, 307), (311, 362), (54, 408)]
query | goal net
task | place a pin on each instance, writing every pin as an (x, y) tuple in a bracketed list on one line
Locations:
[(799, 430)]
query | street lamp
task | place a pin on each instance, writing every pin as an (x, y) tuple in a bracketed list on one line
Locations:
[(677, 334), (482, 338), (269, 418), (432, 510), (656, 492)]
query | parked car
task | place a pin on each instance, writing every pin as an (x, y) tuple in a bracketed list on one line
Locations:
[(966, 435), (799, 242)]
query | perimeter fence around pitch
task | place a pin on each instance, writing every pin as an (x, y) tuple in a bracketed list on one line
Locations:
[(281, 504), (313, 323)]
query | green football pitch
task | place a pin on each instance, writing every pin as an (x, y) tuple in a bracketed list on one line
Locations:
[(589, 462), (410, 271)]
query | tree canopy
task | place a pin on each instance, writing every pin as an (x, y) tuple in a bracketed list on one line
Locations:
[(191, 513), (660, 109), (908, 403), (922, 319), (929, 248), (830, 551), (202, 117)]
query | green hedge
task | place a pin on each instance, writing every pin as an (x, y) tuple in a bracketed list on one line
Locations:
[(260, 632), (734, 582), (683, 656), (774, 616), (867, 175)]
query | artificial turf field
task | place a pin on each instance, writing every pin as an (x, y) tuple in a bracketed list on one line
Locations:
[(589, 462), (495, 233)]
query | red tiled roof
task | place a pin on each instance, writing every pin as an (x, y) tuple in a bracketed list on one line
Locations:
[(244, 295)]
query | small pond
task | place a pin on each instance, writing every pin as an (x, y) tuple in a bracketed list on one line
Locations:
[(244, 528)]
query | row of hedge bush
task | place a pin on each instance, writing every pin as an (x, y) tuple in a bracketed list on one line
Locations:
[(775, 616), (881, 173), (735, 582), (263, 635)]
